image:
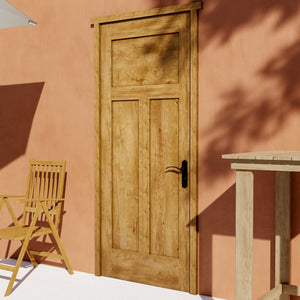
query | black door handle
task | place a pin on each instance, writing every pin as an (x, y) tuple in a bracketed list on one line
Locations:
[(184, 173)]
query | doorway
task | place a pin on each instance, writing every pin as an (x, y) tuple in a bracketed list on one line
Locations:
[(146, 147)]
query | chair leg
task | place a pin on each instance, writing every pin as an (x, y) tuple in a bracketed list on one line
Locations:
[(22, 252), (32, 259), (57, 239), (63, 252), (17, 266)]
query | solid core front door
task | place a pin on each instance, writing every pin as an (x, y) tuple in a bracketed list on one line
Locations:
[(145, 150)]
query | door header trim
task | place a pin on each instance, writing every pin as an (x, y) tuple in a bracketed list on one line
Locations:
[(147, 13)]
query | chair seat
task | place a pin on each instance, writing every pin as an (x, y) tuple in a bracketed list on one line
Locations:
[(17, 233)]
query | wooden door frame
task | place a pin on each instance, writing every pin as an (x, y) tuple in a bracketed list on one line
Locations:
[(192, 9)]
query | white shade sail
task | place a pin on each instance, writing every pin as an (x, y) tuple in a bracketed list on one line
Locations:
[(12, 17)]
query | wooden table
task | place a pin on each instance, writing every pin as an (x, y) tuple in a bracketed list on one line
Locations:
[(283, 163)]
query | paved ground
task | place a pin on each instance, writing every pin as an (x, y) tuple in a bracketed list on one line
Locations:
[(52, 283)]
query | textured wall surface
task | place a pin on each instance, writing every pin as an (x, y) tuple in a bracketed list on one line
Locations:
[(249, 96), (249, 61)]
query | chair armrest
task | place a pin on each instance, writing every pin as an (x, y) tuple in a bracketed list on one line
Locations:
[(18, 201), (38, 200), (3, 197), (4, 200), (12, 196)]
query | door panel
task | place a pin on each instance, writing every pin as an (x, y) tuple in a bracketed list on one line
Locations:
[(145, 60), (164, 186), (125, 175), (144, 121)]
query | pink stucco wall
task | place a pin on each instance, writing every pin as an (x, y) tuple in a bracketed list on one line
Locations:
[(249, 61)]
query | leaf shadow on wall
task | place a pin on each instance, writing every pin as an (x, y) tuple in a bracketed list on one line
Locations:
[(249, 117), (252, 118), (246, 116), (18, 104), (243, 115)]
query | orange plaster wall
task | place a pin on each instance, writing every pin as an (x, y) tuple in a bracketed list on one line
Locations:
[(249, 96), (249, 60)]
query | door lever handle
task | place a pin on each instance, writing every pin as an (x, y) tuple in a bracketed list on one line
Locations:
[(184, 172), (173, 167)]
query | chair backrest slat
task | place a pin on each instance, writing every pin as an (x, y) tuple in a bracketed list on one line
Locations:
[(55, 183), (46, 186), (50, 182), (37, 182), (45, 181)]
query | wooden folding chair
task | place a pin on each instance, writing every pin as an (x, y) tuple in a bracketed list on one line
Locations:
[(41, 215)]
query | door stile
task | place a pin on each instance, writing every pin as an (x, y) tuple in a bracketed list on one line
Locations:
[(97, 152), (144, 175), (105, 141), (193, 171), (184, 133)]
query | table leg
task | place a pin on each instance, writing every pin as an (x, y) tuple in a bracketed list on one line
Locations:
[(282, 230), (244, 235)]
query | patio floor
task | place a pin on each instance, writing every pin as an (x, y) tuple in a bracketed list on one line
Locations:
[(48, 283)]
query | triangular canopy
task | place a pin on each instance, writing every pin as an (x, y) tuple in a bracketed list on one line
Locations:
[(11, 17)]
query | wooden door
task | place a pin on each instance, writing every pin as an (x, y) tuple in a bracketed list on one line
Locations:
[(145, 128)]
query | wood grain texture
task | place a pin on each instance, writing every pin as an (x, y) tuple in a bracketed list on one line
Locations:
[(127, 29), (282, 229), (164, 184), (145, 60), (105, 146), (97, 149), (158, 91), (125, 175), (152, 135), (184, 138), (144, 174), (244, 235), (194, 155), (162, 43)]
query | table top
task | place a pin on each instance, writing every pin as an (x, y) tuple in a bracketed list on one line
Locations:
[(265, 155)]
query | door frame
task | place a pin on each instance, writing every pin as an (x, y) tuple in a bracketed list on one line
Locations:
[(192, 9)]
